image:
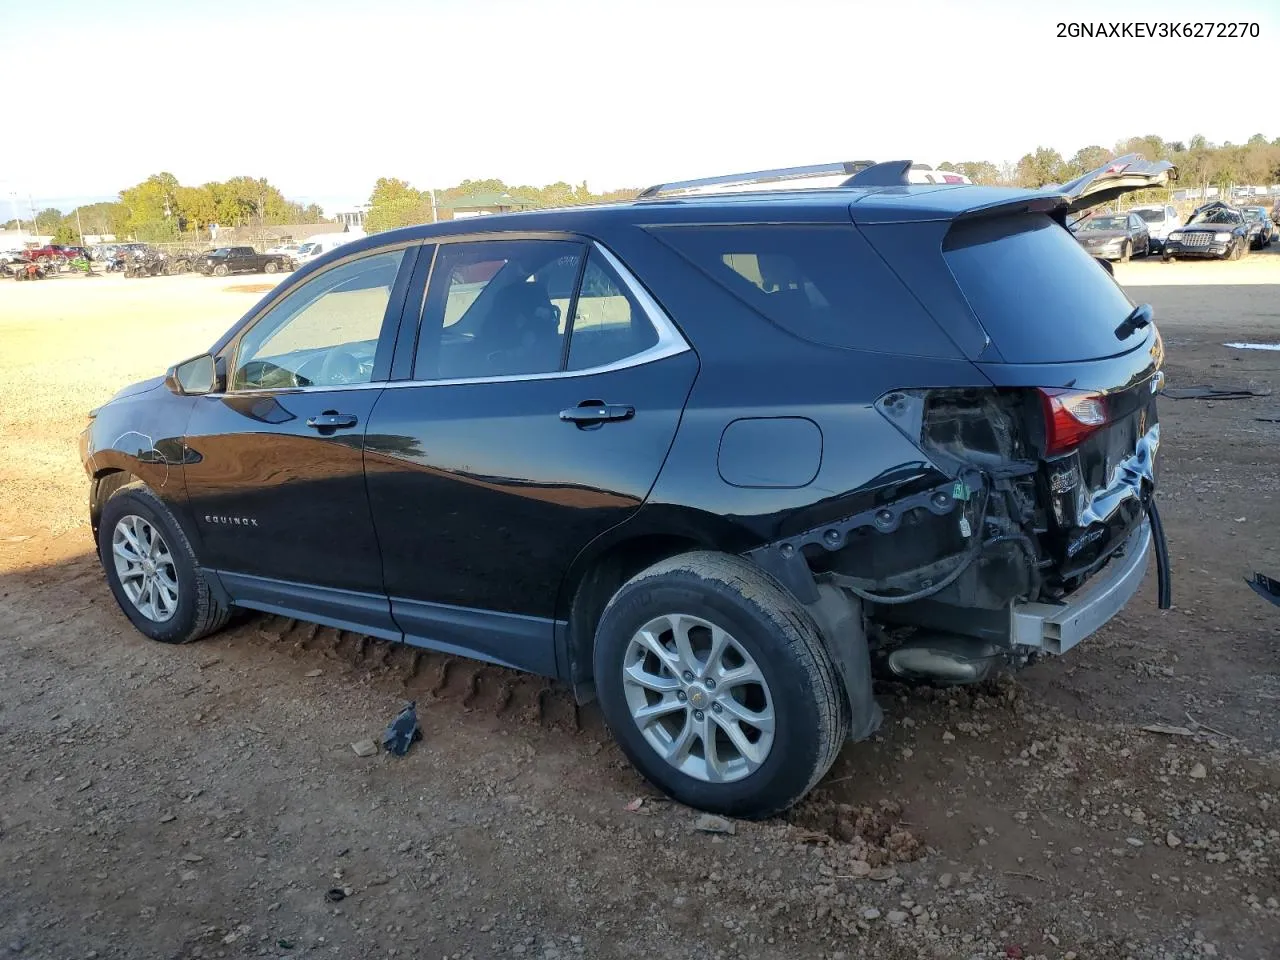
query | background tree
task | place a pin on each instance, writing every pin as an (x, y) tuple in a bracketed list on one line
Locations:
[(1042, 167), (1088, 158), (152, 207), (48, 220), (979, 171), (395, 203)]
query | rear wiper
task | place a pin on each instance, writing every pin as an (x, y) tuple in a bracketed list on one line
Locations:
[(1139, 318)]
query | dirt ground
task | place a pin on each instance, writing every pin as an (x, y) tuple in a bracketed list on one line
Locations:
[(200, 801)]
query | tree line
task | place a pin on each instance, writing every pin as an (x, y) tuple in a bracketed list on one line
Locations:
[(397, 203), (161, 208)]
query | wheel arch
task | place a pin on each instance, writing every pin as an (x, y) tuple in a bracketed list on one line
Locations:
[(104, 483), (604, 565)]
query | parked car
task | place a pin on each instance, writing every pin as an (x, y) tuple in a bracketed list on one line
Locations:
[(226, 260), (1261, 229), (1113, 236), (709, 460), (1160, 219), (50, 253), (1214, 230), (317, 246)]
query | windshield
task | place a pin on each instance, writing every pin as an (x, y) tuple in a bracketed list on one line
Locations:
[(1151, 216), (1252, 214), (1107, 223), (306, 248), (1216, 215), (220, 252)]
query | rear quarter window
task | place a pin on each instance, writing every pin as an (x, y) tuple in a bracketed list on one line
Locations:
[(1040, 296), (822, 283)]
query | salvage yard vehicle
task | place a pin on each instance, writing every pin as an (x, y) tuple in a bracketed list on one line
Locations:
[(227, 260), (1261, 229), (1214, 230), (1114, 236), (712, 459), (1161, 220)]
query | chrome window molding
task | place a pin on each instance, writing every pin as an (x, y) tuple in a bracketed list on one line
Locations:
[(670, 343)]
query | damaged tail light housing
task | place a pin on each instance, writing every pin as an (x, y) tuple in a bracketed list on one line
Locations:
[(1070, 416)]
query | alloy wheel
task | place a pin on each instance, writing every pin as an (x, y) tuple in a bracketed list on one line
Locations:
[(145, 567), (699, 699)]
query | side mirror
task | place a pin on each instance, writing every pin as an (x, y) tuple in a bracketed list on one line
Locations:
[(196, 376)]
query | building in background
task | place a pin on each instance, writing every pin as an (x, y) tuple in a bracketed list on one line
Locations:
[(353, 218), (483, 204)]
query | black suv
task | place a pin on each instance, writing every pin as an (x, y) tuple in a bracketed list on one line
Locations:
[(715, 458)]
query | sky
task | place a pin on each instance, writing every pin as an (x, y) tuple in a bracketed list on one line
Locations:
[(322, 97)]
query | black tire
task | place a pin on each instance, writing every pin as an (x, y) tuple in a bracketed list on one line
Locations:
[(221, 270), (810, 713), (271, 267), (1168, 257), (1237, 250), (198, 611), (1125, 252)]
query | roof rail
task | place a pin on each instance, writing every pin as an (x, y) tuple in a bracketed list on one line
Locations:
[(849, 168)]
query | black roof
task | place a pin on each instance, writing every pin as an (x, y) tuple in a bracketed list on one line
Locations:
[(838, 205)]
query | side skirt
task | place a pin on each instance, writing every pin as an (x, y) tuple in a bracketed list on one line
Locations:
[(509, 640)]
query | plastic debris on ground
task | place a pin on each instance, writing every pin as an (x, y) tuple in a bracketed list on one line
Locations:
[(402, 731)]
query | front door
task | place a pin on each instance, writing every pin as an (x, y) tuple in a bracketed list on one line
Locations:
[(274, 466), (546, 391)]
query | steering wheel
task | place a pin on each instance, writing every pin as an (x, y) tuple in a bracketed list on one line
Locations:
[(339, 367)]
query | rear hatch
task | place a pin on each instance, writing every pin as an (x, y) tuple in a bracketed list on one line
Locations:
[(1068, 430), (1064, 338)]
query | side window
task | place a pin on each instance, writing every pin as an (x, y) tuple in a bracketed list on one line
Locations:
[(497, 308), (821, 283), (608, 324), (323, 333)]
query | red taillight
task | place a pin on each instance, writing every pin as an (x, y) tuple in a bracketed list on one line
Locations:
[(1069, 417)]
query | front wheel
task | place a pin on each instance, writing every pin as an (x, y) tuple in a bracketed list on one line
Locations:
[(1125, 252), (221, 270), (271, 267), (1237, 250), (152, 570), (716, 684)]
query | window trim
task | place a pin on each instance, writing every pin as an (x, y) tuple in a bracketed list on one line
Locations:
[(231, 349), (670, 341)]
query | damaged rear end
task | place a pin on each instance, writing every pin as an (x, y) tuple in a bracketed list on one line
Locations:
[(1044, 526)]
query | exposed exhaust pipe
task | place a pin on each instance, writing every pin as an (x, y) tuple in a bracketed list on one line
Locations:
[(945, 659)]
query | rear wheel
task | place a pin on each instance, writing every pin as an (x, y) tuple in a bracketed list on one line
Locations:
[(152, 570), (717, 685)]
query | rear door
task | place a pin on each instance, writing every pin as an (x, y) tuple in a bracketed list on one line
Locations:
[(540, 400)]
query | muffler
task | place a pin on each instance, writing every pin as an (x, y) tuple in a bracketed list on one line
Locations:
[(945, 659)]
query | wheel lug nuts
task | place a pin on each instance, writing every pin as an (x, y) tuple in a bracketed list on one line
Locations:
[(681, 696), (688, 677), (710, 684), (716, 708), (698, 715)]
